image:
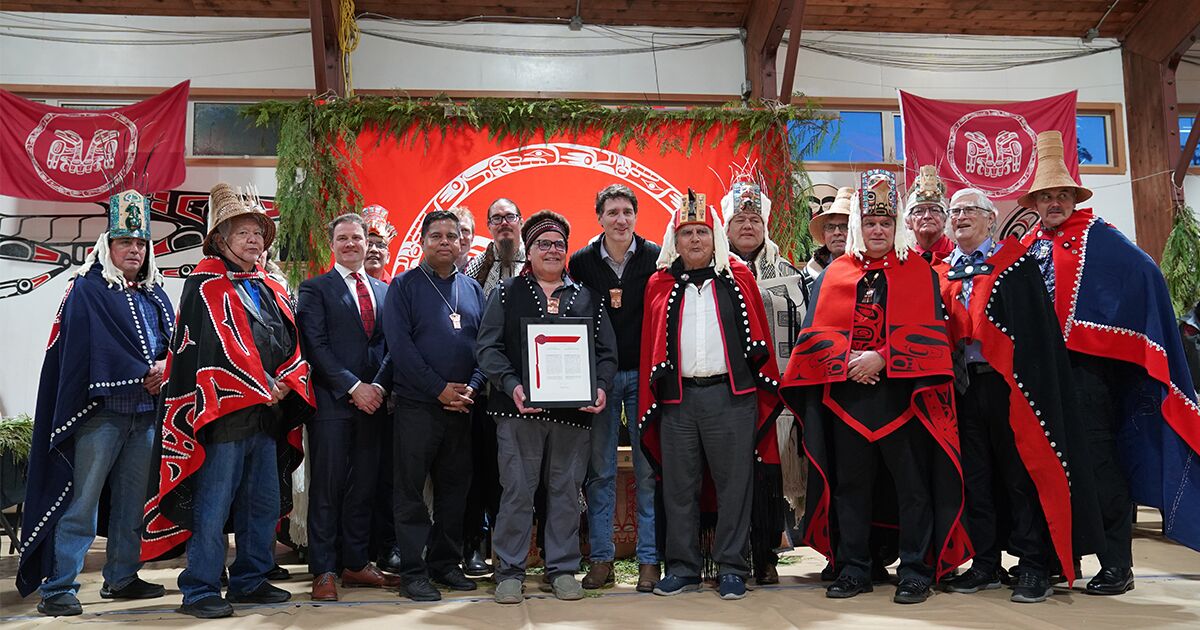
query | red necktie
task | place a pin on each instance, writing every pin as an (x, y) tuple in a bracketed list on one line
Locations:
[(364, 305)]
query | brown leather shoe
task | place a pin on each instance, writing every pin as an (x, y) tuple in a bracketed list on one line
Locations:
[(648, 576), (599, 575), (770, 575), (324, 589), (369, 576)]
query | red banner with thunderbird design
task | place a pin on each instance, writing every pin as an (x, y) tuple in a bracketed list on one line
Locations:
[(992, 147), (58, 154)]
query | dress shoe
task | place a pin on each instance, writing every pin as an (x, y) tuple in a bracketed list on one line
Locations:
[(420, 589), (211, 607), (770, 575), (674, 585), (475, 566), (137, 589), (829, 573), (61, 605), (1032, 587), (911, 591), (648, 576), (599, 575), (974, 580), (389, 563), (369, 576), (732, 586), (264, 594), (1111, 581), (847, 586), (279, 574), (324, 588), (455, 579)]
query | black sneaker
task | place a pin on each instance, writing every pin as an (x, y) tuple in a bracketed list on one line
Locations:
[(674, 585), (911, 591), (264, 594), (420, 589), (1032, 587), (137, 589), (278, 574), (455, 579), (732, 586), (211, 607), (61, 605), (847, 586), (973, 581)]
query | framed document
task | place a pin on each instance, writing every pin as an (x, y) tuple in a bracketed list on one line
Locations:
[(560, 365)]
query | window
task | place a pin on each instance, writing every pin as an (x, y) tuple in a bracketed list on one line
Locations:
[(219, 129), (853, 137), (1091, 137), (1185, 128)]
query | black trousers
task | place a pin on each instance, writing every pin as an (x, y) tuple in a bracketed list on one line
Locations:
[(435, 443), (345, 467), (383, 525), (483, 499), (907, 453), (1097, 382), (991, 465)]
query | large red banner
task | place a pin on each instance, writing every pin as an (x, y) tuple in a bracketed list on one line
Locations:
[(57, 154), (992, 147), (411, 178)]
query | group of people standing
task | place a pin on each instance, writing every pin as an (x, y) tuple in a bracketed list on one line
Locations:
[(908, 388)]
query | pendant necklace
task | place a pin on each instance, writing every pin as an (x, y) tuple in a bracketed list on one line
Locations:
[(455, 318)]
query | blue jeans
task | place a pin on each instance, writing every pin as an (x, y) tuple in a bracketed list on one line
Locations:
[(601, 486), (238, 478), (115, 448)]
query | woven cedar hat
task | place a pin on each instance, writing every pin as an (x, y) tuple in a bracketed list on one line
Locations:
[(1052, 170), (841, 205), (224, 203)]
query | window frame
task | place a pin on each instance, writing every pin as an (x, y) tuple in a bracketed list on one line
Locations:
[(1112, 112), (1184, 110)]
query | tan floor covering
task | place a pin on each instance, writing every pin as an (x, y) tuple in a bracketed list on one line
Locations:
[(1167, 596)]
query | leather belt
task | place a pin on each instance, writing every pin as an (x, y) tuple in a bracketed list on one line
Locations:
[(705, 381)]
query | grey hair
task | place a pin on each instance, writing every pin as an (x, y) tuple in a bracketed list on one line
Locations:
[(976, 198)]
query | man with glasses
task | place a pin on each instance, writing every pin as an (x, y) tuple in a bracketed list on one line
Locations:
[(925, 215), (1133, 388), (505, 255), (828, 229), (380, 233)]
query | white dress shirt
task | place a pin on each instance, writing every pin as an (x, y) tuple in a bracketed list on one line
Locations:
[(701, 347), (352, 286)]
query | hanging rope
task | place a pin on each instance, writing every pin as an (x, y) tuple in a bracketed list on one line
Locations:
[(348, 36)]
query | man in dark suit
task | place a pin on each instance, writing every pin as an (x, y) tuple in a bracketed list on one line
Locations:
[(339, 314)]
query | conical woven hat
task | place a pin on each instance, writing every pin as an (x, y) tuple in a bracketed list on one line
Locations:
[(224, 204), (1052, 170), (841, 205)]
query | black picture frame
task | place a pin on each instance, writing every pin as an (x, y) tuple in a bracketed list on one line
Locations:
[(526, 369)]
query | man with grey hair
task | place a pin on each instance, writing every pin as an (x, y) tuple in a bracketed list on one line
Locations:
[(1000, 330), (925, 216)]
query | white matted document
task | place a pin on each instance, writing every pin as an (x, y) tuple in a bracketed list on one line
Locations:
[(560, 364)]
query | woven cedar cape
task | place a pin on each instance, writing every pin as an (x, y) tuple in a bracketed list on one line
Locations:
[(1011, 315), (1111, 301), (916, 348), (214, 370), (88, 357)]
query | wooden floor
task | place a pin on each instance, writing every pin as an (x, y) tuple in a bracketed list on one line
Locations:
[(1167, 595)]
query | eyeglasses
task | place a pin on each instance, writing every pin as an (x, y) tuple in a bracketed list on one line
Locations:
[(497, 219), (833, 228), (967, 210), (376, 245), (544, 245), (926, 211)]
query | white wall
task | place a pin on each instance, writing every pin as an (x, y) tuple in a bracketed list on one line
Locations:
[(285, 62)]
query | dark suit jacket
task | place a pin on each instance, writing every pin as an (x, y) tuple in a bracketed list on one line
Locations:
[(336, 345)]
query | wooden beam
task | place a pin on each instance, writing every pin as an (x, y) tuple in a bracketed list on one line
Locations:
[(766, 22), (1164, 29), (795, 30), (1153, 147), (327, 57), (1185, 156)]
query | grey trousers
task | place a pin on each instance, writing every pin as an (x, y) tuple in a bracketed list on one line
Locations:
[(526, 448), (710, 425)]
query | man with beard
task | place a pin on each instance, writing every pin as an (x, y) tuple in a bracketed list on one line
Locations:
[(352, 374), (1134, 391), (503, 259), (747, 212), (829, 229), (94, 425), (466, 226), (925, 216)]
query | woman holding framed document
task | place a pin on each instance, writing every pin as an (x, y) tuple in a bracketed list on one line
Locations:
[(546, 345)]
